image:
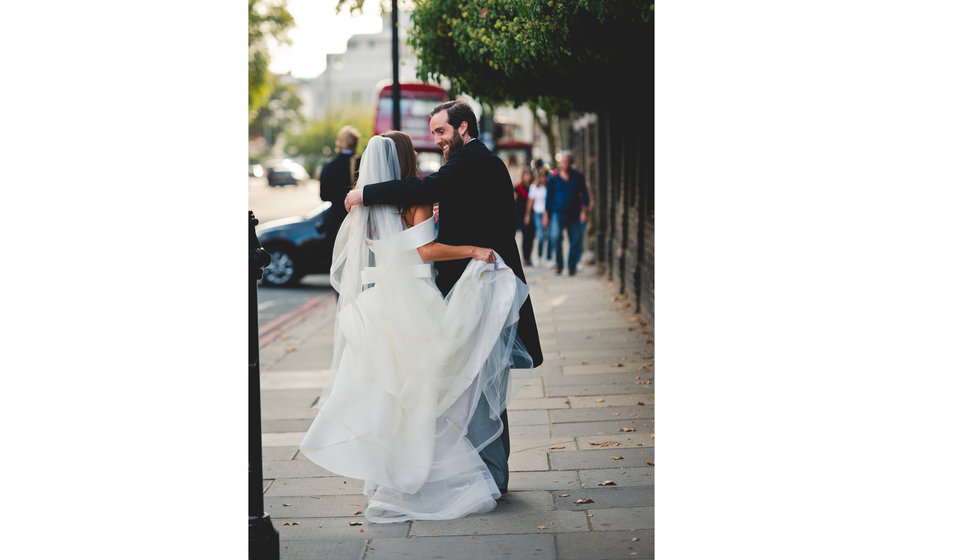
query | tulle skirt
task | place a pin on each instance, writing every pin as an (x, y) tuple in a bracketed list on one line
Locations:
[(411, 369)]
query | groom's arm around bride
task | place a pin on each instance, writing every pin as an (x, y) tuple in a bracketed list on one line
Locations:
[(476, 204)]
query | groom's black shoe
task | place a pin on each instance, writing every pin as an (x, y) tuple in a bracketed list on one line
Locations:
[(557, 270)]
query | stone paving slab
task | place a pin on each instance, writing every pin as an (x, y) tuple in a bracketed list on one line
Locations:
[(320, 528), (636, 368), (611, 323), (315, 486), (533, 390), (634, 439), (622, 518), (600, 414), (504, 524), (532, 431), (558, 379), (283, 438), (333, 549), (525, 501), (535, 404), (270, 412), (544, 480), (282, 398), (530, 460), (601, 428), (596, 389), (515, 547), (281, 426), (611, 400), (606, 497), (613, 355), (603, 344), (617, 335), (315, 506), (629, 476), (303, 379), (600, 458), (277, 453), (526, 417), (292, 469), (606, 545), (540, 445)]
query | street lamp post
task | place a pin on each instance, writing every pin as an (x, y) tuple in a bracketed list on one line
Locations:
[(396, 88), (263, 539)]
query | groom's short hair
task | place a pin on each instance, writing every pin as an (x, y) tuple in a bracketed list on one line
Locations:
[(459, 112)]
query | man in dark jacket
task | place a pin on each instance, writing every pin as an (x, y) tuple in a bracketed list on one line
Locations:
[(476, 207), (336, 179), (566, 209)]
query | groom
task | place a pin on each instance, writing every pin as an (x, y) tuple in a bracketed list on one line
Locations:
[(476, 207)]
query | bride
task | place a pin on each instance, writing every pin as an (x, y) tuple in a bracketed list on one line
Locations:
[(409, 366)]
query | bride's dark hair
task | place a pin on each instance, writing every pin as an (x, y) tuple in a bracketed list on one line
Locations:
[(407, 161)]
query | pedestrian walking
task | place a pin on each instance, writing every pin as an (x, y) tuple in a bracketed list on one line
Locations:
[(566, 211)]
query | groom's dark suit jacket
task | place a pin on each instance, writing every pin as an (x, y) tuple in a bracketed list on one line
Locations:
[(476, 207)]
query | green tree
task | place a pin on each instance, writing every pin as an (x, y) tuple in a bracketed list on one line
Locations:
[(558, 55), (315, 144), (268, 21), (277, 113)]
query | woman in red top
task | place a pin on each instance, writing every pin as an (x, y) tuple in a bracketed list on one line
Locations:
[(520, 211)]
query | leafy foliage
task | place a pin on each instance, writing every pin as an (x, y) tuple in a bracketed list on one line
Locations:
[(268, 20), (281, 108), (555, 54), (309, 145)]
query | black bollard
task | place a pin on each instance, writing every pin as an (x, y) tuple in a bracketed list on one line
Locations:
[(263, 539)]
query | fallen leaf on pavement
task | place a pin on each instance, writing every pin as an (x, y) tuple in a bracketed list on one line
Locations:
[(557, 447), (650, 463), (358, 512), (641, 403), (627, 429), (362, 530), (353, 523), (651, 436), (292, 349), (634, 539), (287, 505), (603, 443), (607, 483), (634, 319), (616, 458), (542, 526), (584, 501), (616, 365), (600, 400), (291, 523), (563, 495), (585, 363)]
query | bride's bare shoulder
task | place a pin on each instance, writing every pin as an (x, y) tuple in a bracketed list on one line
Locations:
[(419, 214)]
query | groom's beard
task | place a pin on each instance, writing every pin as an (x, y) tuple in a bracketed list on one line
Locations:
[(454, 145)]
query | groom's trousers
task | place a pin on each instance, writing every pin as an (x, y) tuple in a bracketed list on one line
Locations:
[(495, 454)]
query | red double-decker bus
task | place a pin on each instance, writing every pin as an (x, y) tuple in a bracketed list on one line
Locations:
[(417, 101)]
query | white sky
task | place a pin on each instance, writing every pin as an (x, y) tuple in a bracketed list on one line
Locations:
[(319, 31)]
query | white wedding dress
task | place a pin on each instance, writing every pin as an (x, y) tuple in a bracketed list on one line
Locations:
[(409, 366)]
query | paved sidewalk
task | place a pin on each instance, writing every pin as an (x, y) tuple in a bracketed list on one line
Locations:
[(568, 438)]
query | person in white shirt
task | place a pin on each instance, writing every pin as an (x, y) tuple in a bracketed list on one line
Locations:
[(537, 196)]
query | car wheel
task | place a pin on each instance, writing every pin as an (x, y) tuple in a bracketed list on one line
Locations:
[(282, 270)]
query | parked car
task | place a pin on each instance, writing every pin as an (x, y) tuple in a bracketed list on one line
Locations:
[(297, 245), (285, 172)]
